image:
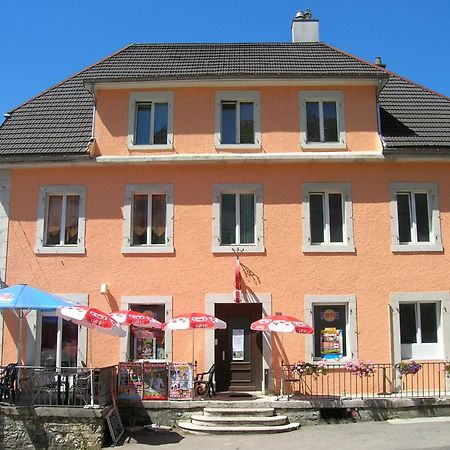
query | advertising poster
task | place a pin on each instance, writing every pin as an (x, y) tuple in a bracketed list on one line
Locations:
[(155, 381), (238, 344), (181, 384), (331, 343), (130, 381)]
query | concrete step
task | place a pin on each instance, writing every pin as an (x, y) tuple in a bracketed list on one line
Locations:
[(245, 411), (202, 429), (233, 421)]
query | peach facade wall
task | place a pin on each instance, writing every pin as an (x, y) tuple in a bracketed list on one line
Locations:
[(193, 118), (193, 271)]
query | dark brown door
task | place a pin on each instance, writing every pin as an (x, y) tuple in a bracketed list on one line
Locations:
[(238, 350)]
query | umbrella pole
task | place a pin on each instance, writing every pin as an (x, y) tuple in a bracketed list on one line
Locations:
[(193, 343), (19, 340)]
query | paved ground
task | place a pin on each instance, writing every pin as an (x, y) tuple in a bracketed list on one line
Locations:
[(397, 434)]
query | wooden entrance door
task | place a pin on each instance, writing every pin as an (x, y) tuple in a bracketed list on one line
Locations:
[(238, 350)]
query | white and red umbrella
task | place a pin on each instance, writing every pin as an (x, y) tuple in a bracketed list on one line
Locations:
[(91, 318), (194, 321), (281, 324), (136, 319)]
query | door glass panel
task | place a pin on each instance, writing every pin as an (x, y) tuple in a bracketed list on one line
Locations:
[(239, 337), (335, 204), (246, 123), (428, 322), (247, 218), (53, 233), (49, 332), (330, 122), (140, 219), (69, 344), (422, 220), (158, 219), (160, 125), (312, 122), (404, 217), (143, 117), (408, 323), (316, 218), (72, 214)]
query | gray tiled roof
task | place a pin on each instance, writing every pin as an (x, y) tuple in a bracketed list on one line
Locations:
[(57, 123)]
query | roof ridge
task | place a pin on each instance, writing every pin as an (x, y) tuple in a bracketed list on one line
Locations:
[(65, 80)]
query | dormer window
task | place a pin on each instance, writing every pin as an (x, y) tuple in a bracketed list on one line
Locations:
[(322, 119), (150, 121)]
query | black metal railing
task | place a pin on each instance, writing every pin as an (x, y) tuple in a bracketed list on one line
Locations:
[(69, 386), (338, 381)]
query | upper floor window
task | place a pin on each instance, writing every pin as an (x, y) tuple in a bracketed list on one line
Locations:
[(237, 218), (150, 120), (322, 119), (327, 211), (61, 227), (237, 119), (148, 219), (415, 217)]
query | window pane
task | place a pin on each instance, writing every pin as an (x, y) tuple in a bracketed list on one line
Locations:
[(160, 127), (53, 234), (316, 218), (140, 219), (72, 215), (428, 322), (48, 341), (228, 219), (158, 219), (330, 122), (330, 335), (148, 344), (335, 204), (69, 344), (408, 324), (247, 219), (228, 131), (143, 117), (422, 221), (247, 135), (312, 122), (404, 218)]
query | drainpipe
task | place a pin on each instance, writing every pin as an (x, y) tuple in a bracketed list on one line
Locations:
[(90, 88)]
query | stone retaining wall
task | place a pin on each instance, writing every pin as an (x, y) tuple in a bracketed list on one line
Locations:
[(55, 427)]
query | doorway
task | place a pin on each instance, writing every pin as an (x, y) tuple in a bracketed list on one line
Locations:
[(238, 350)]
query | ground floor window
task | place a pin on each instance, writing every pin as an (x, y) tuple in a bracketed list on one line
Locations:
[(59, 342), (144, 343), (419, 327)]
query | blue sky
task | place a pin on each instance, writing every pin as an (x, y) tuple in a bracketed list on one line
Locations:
[(45, 41)]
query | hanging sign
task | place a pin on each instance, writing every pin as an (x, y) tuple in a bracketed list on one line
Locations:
[(237, 294)]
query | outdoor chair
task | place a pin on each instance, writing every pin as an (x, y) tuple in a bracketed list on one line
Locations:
[(204, 383), (8, 377)]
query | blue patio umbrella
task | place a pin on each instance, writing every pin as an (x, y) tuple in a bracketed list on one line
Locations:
[(22, 299)]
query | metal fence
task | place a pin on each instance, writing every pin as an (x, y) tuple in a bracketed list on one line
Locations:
[(69, 386), (337, 381)]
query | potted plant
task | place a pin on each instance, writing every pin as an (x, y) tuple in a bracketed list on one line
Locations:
[(360, 368), (407, 367), (307, 368), (447, 369)]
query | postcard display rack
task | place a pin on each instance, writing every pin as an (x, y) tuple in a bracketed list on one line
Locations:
[(155, 381)]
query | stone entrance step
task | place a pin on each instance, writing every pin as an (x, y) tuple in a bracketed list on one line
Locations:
[(223, 420)]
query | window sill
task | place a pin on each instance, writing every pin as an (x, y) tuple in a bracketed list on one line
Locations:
[(409, 248), (241, 247), (60, 250), (147, 249), (325, 145), (133, 147), (237, 146), (329, 248)]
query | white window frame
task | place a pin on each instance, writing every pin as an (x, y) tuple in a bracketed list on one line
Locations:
[(345, 189), (349, 301), (256, 189), (435, 244), (442, 298), (34, 321), (63, 190), (322, 96), (237, 96), (150, 97), (147, 189), (127, 302)]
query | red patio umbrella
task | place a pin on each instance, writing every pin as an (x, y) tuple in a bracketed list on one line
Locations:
[(194, 321), (281, 324), (137, 319)]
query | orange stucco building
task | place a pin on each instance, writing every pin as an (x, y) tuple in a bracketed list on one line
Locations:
[(138, 182)]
